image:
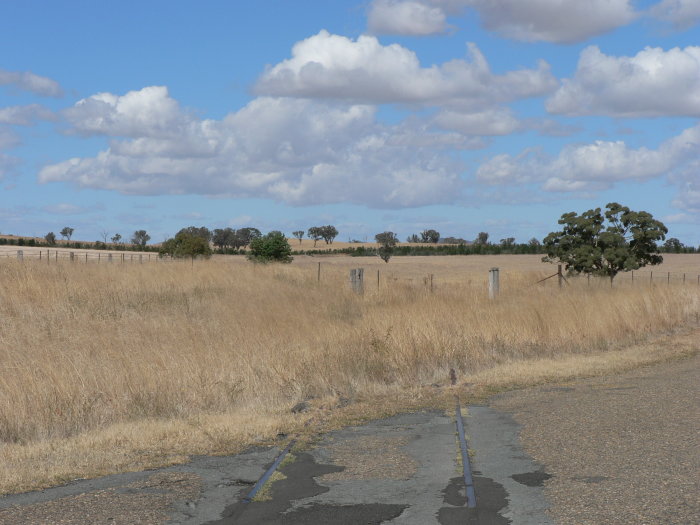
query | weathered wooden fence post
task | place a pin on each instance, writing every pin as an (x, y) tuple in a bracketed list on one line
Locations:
[(318, 276), (560, 276), (20, 255), (141, 258), (493, 283), (357, 277), (109, 257)]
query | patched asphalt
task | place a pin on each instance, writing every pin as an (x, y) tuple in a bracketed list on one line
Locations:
[(401, 470)]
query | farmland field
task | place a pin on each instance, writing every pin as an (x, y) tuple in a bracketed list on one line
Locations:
[(111, 367)]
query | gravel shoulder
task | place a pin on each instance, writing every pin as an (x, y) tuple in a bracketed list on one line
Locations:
[(620, 449)]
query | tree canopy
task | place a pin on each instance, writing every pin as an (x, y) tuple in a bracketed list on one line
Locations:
[(314, 234), (431, 236), (387, 242), (606, 244), (67, 232), (201, 231), (186, 244), (140, 238), (482, 238), (272, 247)]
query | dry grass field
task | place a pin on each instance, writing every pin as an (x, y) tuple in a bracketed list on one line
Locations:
[(107, 368)]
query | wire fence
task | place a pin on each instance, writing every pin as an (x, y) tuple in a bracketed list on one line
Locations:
[(430, 281), (50, 256)]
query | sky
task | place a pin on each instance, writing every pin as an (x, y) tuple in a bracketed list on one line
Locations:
[(383, 115)]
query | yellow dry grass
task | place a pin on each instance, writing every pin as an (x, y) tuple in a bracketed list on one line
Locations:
[(106, 368)]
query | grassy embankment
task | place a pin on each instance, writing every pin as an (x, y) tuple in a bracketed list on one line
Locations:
[(107, 368)]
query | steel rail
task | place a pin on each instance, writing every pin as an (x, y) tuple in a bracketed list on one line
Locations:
[(466, 465), (261, 482)]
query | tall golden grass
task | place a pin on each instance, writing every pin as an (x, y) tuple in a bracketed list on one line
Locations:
[(86, 349)]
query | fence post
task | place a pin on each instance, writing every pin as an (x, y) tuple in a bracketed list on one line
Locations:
[(86, 257), (357, 280), (651, 277), (560, 276), (431, 283), (318, 275), (668, 279), (122, 257), (140, 258), (494, 287), (39, 254), (20, 255), (72, 256), (377, 279), (632, 276), (109, 257)]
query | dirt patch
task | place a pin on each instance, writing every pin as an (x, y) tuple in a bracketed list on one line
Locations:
[(370, 457), (145, 502)]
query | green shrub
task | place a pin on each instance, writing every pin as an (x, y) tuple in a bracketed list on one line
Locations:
[(272, 247)]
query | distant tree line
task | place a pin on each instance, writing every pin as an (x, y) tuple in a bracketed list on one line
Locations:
[(194, 241), (434, 249), (49, 241)]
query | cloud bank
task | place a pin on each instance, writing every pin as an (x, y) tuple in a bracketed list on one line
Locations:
[(327, 66), (299, 152), (600, 165), (27, 81), (652, 83), (557, 21)]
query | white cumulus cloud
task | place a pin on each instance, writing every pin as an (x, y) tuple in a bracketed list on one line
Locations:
[(364, 71), (688, 181), (27, 81), (295, 151), (405, 17), (652, 83), (147, 112), (25, 115), (680, 13), (559, 21), (601, 164), (493, 121)]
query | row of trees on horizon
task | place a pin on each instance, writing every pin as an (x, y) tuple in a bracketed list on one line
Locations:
[(232, 241)]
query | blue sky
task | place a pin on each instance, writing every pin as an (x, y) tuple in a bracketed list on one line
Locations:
[(458, 115)]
